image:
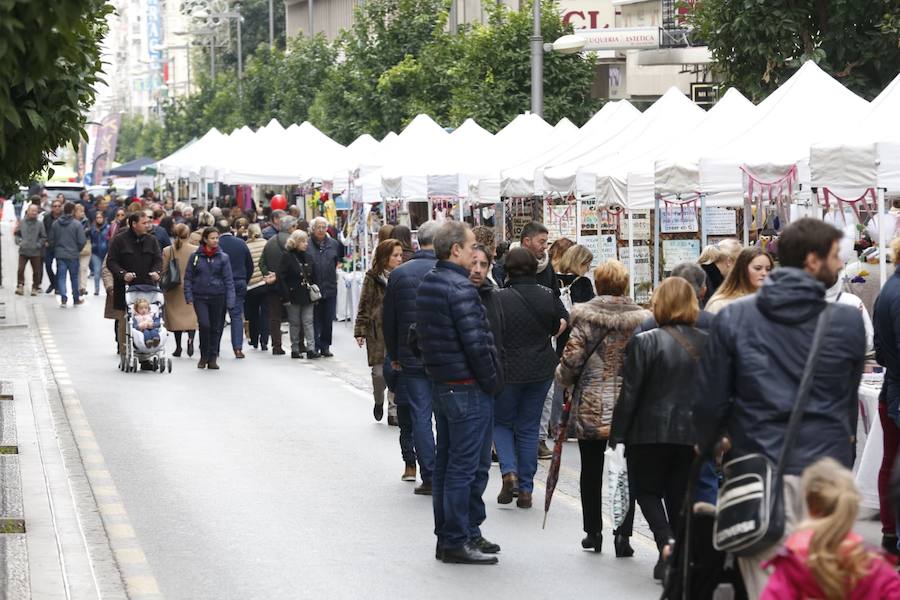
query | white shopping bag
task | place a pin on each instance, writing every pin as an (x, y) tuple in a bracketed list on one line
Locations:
[(618, 483)]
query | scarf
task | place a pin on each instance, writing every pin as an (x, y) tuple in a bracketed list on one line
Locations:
[(207, 251), (383, 276)]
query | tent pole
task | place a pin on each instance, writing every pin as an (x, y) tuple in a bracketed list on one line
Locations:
[(630, 249), (747, 217), (702, 221), (882, 238), (657, 229)]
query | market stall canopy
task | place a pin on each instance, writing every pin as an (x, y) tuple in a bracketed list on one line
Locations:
[(809, 107), (188, 160), (132, 168), (405, 172), (677, 168), (526, 178), (362, 150), (464, 157), (522, 138), (868, 158), (230, 152)]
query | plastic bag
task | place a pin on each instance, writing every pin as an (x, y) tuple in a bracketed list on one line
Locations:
[(618, 483)]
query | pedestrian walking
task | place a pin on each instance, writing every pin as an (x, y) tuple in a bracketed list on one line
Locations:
[(747, 275), (460, 359), (368, 330), (209, 288), (180, 317), (753, 362), (887, 354), (413, 387), (133, 257), (269, 262), (99, 238), (109, 310), (84, 256), (532, 316), (67, 238), (653, 414), (296, 276), (696, 276), (533, 238), (593, 358), (824, 558), (204, 220), (255, 306), (402, 234), (274, 226), (50, 253), (325, 254), (31, 238), (241, 270), (118, 223), (717, 261)]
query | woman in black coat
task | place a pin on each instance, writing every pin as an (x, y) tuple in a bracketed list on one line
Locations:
[(296, 273), (653, 416), (532, 316)]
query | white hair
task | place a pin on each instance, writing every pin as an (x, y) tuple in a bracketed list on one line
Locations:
[(318, 221)]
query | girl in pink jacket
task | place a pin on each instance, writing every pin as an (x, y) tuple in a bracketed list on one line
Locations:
[(823, 559)]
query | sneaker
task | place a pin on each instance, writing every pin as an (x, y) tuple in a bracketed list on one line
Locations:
[(424, 489), (409, 473), (544, 453), (20, 290)]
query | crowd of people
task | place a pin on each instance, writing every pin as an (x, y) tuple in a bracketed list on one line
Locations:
[(501, 348)]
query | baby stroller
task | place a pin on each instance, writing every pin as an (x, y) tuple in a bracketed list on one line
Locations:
[(137, 351)]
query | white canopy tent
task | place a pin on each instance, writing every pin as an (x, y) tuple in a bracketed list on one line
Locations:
[(361, 151), (524, 137), (187, 161), (464, 156), (405, 170)]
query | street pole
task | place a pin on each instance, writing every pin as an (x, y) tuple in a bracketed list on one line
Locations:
[(271, 25), (240, 56), (454, 18), (311, 23), (537, 64), (188, 51)]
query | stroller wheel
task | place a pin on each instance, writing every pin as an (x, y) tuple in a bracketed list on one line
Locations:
[(162, 365), (169, 365), (134, 365)]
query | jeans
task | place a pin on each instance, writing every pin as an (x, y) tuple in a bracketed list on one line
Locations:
[(887, 508), (96, 267), (300, 326), (70, 266), (326, 311), (416, 392), (407, 443), (273, 299), (659, 474), (237, 314), (256, 310), (463, 457), (707, 487), (211, 318), (517, 418), (36, 271), (49, 255), (591, 486)]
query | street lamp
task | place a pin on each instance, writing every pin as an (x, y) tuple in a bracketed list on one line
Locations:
[(537, 64), (213, 18)]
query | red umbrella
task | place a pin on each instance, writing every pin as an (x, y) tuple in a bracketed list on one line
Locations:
[(553, 473)]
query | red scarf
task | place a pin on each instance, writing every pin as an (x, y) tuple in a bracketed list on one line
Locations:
[(207, 251)]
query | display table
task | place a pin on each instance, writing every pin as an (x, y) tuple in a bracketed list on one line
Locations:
[(869, 444), (349, 287)]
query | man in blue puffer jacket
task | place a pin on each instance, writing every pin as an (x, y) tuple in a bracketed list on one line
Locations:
[(414, 389), (460, 360)]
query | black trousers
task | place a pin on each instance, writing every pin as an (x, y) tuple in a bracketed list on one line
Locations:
[(591, 484), (658, 475)]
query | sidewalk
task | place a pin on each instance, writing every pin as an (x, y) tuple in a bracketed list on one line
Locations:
[(63, 552)]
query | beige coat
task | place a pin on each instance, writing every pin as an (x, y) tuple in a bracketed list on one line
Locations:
[(607, 324), (179, 315), (256, 249), (109, 311)]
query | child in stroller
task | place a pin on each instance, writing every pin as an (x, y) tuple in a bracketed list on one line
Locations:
[(146, 333), (146, 323)]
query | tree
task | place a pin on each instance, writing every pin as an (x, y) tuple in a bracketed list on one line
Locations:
[(255, 30), (49, 65), (757, 45)]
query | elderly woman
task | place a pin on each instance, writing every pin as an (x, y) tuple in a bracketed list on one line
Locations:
[(591, 365), (255, 306), (204, 219), (296, 274), (653, 416)]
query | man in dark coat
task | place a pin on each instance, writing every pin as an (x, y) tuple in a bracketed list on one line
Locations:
[(460, 359), (399, 315), (269, 262), (50, 255), (755, 357), (533, 238), (133, 258), (241, 269), (326, 255)]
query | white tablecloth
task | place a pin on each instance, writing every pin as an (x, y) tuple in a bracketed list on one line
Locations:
[(349, 287), (870, 445)]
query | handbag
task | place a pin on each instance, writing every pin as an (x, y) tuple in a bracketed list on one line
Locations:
[(750, 509), (171, 277), (315, 294)]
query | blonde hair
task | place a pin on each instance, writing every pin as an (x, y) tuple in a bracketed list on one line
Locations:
[(181, 233), (575, 258), (675, 302), (721, 250), (611, 279), (557, 250), (895, 251), (737, 284), (141, 302), (254, 231), (833, 502), (297, 236)]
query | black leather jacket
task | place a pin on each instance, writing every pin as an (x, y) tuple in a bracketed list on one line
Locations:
[(658, 388)]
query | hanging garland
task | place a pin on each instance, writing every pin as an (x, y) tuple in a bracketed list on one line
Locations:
[(778, 193), (868, 199)]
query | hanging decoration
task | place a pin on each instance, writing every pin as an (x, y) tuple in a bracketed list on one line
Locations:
[(442, 208), (561, 219), (776, 194), (868, 201), (679, 214)]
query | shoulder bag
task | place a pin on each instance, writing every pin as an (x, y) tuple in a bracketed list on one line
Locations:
[(315, 294), (531, 309), (750, 510), (171, 278)]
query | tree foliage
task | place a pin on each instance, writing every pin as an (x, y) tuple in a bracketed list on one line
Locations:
[(757, 44), (49, 64)]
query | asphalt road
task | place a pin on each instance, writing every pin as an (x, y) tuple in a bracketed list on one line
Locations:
[(270, 479)]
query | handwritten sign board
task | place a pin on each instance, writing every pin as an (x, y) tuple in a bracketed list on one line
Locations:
[(679, 251), (678, 219), (640, 273), (720, 221), (604, 247)]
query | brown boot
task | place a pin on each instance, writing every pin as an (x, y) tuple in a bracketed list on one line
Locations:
[(506, 492), (409, 473), (524, 499), (212, 364)]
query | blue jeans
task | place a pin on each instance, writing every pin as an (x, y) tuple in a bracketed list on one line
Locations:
[(517, 419), (96, 267), (462, 462), (416, 392), (237, 314), (325, 312), (707, 487), (62, 266)]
